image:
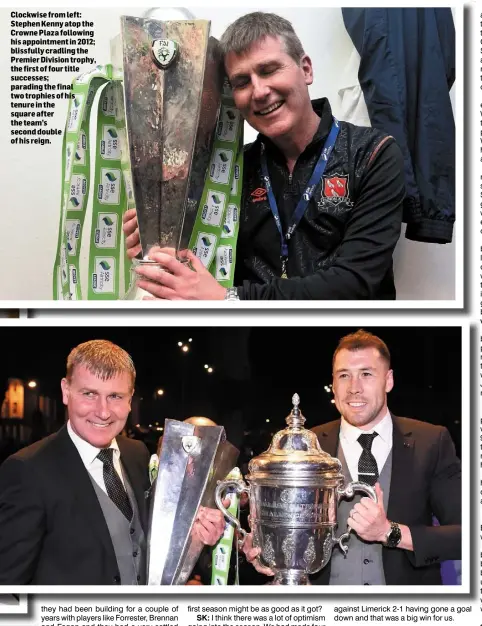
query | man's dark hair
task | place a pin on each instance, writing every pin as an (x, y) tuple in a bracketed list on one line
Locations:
[(361, 340), (246, 30)]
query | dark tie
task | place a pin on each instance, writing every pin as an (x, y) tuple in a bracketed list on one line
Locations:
[(113, 484), (367, 465)]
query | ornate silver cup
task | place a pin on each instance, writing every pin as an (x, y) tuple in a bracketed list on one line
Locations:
[(294, 490)]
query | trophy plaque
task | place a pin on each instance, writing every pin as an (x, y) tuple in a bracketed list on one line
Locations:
[(192, 460), (294, 489)]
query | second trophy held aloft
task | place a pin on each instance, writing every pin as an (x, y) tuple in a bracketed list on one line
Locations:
[(294, 490)]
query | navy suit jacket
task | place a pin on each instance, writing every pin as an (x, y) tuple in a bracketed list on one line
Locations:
[(425, 482), (52, 529)]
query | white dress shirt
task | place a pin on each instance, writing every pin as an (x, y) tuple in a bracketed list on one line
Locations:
[(93, 465), (381, 445)]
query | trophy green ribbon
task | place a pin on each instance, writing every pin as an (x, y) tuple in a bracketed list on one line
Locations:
[(221, 554), (75, 183), (215, 232), (109, 197), (153, 467)]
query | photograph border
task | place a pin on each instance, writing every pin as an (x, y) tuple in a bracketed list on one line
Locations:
[(418, 305), (397, 590)]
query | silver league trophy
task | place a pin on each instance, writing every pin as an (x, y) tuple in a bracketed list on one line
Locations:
[(172, 90), (294, 489), (192, 460)]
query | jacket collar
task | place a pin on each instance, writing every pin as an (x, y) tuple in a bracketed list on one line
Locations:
[(136, 473), (402, 468)]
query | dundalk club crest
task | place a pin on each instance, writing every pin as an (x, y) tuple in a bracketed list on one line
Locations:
[(335, 187), (164, 52), (334, 191)]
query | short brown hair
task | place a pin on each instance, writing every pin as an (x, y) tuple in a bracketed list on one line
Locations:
[(361, 340), (102, 358), (247, 29)]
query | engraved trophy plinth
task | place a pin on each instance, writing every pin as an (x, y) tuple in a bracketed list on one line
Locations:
[(172, 76), (294, 489)]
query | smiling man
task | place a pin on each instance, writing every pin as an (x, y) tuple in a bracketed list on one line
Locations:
[(413, 466), (322, 200), (73, 506)]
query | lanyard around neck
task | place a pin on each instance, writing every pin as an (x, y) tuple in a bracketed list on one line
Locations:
[(305, 197)]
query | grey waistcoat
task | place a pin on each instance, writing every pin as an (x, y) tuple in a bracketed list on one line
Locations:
[(363, 564), (127, 537)]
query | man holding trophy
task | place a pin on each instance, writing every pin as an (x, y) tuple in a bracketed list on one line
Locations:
[(413, 467), (321, 205), (73, 506)]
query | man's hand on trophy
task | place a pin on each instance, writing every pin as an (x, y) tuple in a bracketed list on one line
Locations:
[(178, 281), (131, 232), (208, 525), (252, 556), (368, 518)]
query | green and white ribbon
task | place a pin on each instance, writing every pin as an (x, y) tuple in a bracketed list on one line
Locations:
[(215, 232), (75, 183), (106, 238), (221, 555), (216, 228), (153, 467), (109, 200)]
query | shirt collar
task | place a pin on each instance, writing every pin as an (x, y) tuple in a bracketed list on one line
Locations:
[(384, 429), (88, 453)]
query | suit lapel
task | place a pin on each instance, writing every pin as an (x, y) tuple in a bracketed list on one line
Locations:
[(328, 436), (135, 475), (79, 484), (402, 469)]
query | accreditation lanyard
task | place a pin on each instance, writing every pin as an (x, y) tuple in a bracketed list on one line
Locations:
[(305, 197)]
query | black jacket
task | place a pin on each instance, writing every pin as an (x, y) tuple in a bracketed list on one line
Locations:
[(425, 481), (52, 529), (343, 246)]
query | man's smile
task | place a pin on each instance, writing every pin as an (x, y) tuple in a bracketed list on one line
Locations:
[(100, 424), (270, 109)]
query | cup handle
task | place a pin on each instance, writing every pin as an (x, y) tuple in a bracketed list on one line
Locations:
[(349, 492), (240, 487)]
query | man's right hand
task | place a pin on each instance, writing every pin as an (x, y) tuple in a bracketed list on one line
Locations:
[(131, 232), (252, 556)]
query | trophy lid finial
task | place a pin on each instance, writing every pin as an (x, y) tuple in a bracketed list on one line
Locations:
[(295, 418), (294, 449)]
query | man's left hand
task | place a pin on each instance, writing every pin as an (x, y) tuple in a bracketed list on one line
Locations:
[(208, 525), (179, 281), (368, 518)]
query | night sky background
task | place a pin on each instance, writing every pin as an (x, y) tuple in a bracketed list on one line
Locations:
[(256, 372)]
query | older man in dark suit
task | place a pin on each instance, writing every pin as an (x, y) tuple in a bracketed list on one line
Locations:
[(73, 505)]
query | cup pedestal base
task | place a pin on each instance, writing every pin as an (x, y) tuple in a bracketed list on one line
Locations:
[(291, 577)]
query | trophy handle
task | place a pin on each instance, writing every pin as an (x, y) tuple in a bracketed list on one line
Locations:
[(349, 492), (240, 487)]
